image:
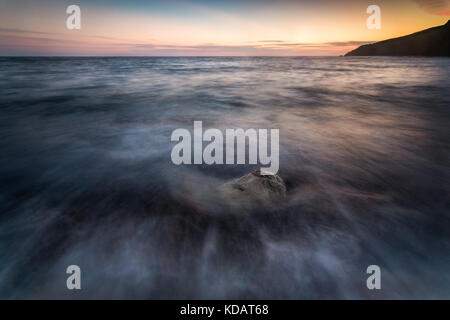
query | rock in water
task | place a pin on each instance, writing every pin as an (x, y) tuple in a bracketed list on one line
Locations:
[(254, 188)]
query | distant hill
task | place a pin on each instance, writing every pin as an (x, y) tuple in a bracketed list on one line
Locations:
[(433, 42)]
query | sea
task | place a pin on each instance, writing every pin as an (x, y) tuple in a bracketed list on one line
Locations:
[(86, 178)]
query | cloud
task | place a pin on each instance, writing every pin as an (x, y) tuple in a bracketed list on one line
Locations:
[(21, 31), (437, 7), (264, 46), (63, 44), (285, 44)]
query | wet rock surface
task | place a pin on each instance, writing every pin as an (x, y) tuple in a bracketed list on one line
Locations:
[(254, 188)]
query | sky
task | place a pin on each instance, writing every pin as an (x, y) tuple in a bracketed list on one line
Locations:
[(207, 27)]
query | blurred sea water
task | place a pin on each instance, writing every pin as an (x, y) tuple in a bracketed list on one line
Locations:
[(86, 178)]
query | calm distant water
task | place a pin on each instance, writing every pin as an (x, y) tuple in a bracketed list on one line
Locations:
[(86, 178)]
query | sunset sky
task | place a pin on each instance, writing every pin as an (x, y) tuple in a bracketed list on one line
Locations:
[(207, 27)]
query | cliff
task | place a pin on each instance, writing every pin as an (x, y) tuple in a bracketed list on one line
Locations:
[(433, 42)]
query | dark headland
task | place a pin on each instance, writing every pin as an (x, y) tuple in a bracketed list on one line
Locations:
[(433, 42)]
